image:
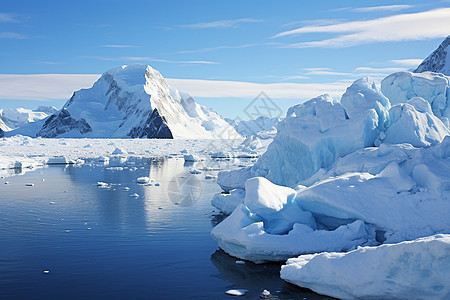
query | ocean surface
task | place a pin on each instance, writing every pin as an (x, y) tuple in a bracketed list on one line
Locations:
[(64, 237)]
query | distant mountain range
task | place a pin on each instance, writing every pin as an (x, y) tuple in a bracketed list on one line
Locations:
[(131, 101)]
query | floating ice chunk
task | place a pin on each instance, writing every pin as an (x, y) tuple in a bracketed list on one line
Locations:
[(135, 195), (208, 176), (240, 262), (29, 184), (143, 180), (126, 188), (57, 160), (119, 151), (103, 159), (265, 294), (46, 271), (191, 157), (242, 235), (239, 292), (195, 171), (228, 202), (409, 270)]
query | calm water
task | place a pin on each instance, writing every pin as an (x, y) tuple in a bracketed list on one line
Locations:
[(102, 243)]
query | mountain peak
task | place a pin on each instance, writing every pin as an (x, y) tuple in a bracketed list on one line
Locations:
[(438, 61)]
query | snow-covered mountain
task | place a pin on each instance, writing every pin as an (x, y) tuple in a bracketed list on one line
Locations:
[(438, 61), (132, 101), (3, 127), (17, 117), (262, 127)]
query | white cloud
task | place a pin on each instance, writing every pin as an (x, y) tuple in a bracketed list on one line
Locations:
[(42, 87), (382, 8), (218, 48), (239, 89), (403, 27), (324, 71), (220, 23), (411, 62), (147, 59), (12, 35), (8, 18)]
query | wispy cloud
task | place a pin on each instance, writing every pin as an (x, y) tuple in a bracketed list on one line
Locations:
[(12, 35), (217, 48), (46, 62), (44, 87), (146, 59), (324, 71), (119, 46), (240, 89), (403, 27), (8, 18), (382, 8), (411, 62), (220, 23)]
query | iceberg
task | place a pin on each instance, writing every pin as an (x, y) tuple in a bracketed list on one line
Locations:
[(417, 269)]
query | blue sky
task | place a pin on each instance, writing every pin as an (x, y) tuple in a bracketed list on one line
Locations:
[(222, 52)]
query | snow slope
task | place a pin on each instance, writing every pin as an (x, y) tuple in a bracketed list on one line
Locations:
[(133, 101), (438, 61), (418, 269)]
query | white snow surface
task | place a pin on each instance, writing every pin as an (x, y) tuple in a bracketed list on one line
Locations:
[(418, 269)]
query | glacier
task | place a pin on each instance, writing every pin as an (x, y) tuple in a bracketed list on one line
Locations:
[(361, 177)]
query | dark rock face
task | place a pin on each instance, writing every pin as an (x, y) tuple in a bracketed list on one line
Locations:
[(155, 127), (62, 122), (2, 133), (436, 61)]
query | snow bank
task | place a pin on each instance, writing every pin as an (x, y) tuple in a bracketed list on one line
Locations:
[(227, 202), (418, 269)]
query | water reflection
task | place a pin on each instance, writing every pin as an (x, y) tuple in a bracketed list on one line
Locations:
[(257, 277)]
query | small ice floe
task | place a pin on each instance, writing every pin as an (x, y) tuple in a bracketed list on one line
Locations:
[(43, 179), (126, 188), (157, 184), (102, 185), (118, 151), (191, 157), (46, 271), (29, 184), (265, 294), (210, 176), (195, 171), (103, 159), (135, 195), (240, 262), (143, 180), (239, 292), (52, 202), (6, 182), (57, 160)]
